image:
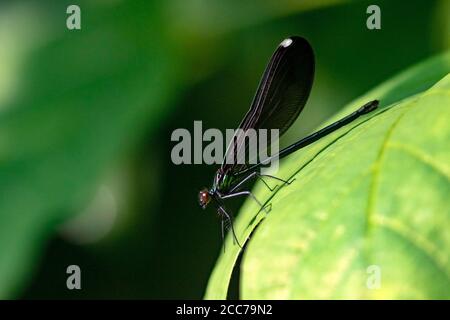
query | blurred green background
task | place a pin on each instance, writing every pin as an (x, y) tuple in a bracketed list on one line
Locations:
[(86, 117)]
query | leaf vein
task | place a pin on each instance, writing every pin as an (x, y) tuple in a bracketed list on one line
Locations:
[(420, 243), (421, 156)]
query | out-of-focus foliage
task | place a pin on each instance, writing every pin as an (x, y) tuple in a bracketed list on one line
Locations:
[(86, 118), (373, 193), (83, 98)]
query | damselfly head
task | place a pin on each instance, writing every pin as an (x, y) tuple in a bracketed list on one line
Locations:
[(204, 198)]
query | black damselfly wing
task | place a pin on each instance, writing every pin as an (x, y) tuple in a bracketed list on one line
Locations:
[(281, 96)]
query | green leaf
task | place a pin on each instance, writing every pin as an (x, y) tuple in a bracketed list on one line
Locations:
[(372, 193), (213, 17), (88, 95)]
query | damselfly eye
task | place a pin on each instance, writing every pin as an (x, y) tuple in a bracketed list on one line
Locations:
[(203, 198)]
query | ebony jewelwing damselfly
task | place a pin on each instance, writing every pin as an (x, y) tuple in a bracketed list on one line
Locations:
[(281, 96)]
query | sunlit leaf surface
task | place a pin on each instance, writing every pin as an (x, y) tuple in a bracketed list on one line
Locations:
[(372, 195)]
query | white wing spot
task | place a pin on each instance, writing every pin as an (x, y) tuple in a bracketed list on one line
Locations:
[(286, 42)]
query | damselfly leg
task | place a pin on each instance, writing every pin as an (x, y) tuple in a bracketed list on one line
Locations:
[(227, 222)]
